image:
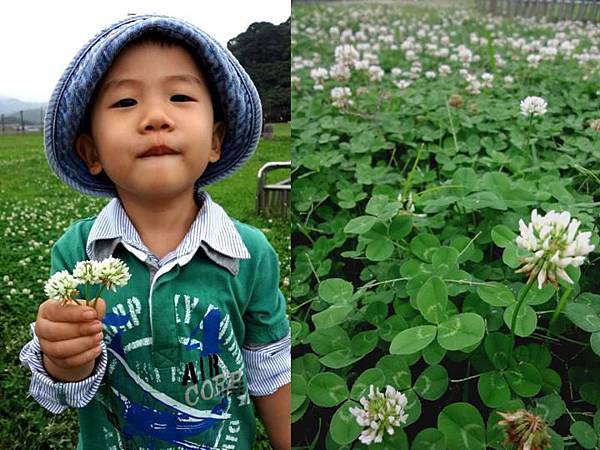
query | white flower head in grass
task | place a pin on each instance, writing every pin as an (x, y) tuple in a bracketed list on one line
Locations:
[(595, 125), (87, 272), (113, 272), (61, 286), (525, 429), (533, 106), (407, 202), (340, 97), (402, 84), (554, 243), (380, 412)]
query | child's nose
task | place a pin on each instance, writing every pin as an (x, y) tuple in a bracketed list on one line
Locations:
[(156, 119)]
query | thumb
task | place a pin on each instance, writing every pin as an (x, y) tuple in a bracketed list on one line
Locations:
[(100, 308)]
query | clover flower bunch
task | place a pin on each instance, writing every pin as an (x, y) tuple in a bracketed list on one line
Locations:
[(532, 107), (380, 413), (340, 97), (109, 273), (525, 429), (554, 243)]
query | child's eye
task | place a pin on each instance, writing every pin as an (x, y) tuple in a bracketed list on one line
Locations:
[(125, 103), (181, 98)]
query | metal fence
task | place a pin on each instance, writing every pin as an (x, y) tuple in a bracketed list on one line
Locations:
[(30, 121), (582, 10), (273, 199)]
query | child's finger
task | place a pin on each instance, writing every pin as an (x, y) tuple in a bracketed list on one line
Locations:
[(60, 331), (80, 359), (65, 350), (57, 312), (100, 308)]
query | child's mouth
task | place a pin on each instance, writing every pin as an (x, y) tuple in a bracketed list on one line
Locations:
[(158, 150)]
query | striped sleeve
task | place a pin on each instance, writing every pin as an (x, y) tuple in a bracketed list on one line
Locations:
[(53, 395), (268, 367)]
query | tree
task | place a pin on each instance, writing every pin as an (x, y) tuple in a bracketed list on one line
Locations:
[(264, 51)]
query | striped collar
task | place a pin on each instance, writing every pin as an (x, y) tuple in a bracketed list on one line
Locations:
[(212, 230)]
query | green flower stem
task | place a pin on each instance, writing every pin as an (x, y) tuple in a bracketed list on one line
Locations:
[(297, 307), (87, 294), (452, 130), (513, 323), (472, 377), (408, 183), (437, 188), (97, 296), (566, 339), (534, 158), (559, 307)]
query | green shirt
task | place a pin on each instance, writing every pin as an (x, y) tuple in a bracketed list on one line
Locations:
[(175, 376)]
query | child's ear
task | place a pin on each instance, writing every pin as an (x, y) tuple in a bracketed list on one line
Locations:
[(217, 141), (86, 149)]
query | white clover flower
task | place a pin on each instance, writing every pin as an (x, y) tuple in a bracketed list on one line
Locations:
[(407, 203), (113, 273), (380, 413), (346, 54), (528, 431), (295, 82), (362, 64), (474, 87), (340, 72), (465, 55), (396, 72), (61, 286), (402, 84), (554, 243), (488, 79), (375, 73), (340, 97), (533, 106), (595, 125), (319, 74), (444, 70), (87, 272), (534, 61)]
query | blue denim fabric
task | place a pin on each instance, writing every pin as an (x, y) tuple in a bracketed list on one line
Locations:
[(235, 91)]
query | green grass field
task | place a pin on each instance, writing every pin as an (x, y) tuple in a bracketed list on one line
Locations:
[(35, 209)]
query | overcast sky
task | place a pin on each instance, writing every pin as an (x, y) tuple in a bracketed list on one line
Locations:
[(38, 39)]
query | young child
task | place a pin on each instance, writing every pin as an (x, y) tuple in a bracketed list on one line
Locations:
[(148, 112)]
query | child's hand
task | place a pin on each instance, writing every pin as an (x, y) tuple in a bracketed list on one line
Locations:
[(70, 337)]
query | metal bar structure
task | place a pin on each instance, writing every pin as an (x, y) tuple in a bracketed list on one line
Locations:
[(273, 199), (580, 10)]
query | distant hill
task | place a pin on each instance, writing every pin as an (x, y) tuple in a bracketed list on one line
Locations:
[(10, 107)]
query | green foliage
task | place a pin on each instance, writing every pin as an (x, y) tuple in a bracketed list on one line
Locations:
[(264, 51), (425, 288)]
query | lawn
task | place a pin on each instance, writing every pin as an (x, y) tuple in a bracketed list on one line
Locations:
[(35, 209)]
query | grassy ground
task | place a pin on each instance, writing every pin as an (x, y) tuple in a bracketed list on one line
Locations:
[(35, 208)]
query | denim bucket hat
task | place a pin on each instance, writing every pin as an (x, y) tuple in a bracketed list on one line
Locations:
[(234, 90)]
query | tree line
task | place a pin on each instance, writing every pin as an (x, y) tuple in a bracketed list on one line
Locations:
[(264, 51)]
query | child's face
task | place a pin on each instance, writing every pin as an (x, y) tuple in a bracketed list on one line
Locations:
[(152, 97)]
